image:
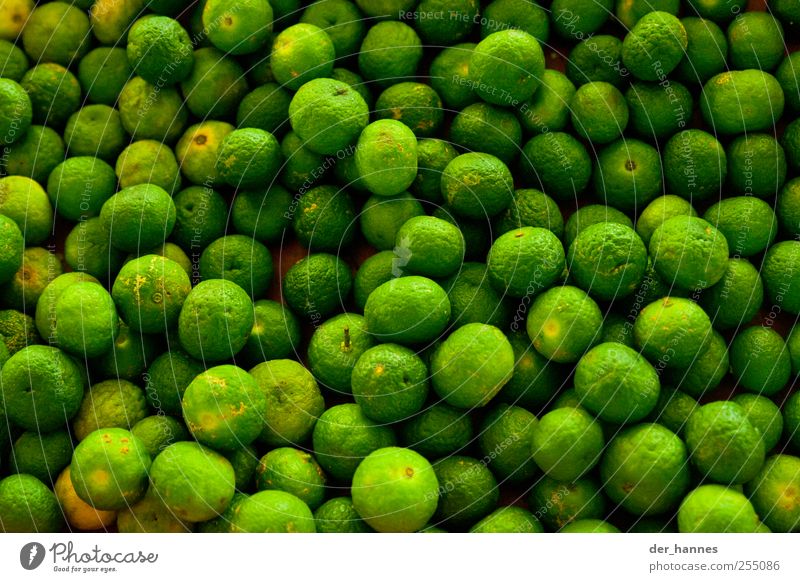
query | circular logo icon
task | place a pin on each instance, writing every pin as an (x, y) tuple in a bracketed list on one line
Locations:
[(31, 555)]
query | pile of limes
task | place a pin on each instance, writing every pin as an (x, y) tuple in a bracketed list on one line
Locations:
[(399, 266)]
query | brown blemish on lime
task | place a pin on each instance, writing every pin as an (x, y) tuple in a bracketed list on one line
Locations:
[(409, 472), (200, 139), (630, 165)]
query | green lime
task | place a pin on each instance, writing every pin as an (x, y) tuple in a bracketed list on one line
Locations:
[(300, 53), (386, 157), (159, 431), (241, 28), (390, 51), (149, 293), (328, 115), (438, 431), (241, 260), (192, 481), (586, 216), (506, 66), (607, 260), (381, 217), (160, 50), (26, 203), (774, 493), (672, 332), (429, 246), (557, 163), (591, 526), (249, 158), (628, 174), (275, 334), (12, 246), (559, 503), (215, 320), (293, 471), (88, 249), (449, 76), (596, 58), (56, 32), (781, 275), (723, 444), (198, 149), (706, 51), (414, 104), (599, 112), (716, 509), (395, 490), (655, 112), (273, 512), (789, 80), (95, 130), (390, 383), (109, 404), (343, 436), (460, 372), (138, 217), (689, 252), (788, 206), (341, 20), (524, 261), (467, 491), (42, 455), (504, 441), (317, 286), (764, 415), (150, 515), (14, 61), (735, 300), (536, 379), (706, 371), (616, 383), (756, 41), (738, 101), (481, 127), (760, 360), (294, 402), (673, 410), (373, 272), (335, 347), (28, 506), (109, 469), (645, 469), (564, 322), (472, 298), (257, 213), (508, 520), (579, 18), (224, 408), (532, 207), (167, 378), (323, 218), (148, 162), (35, 154), (654, 46), (548, 109), (477, 185), (338, 515), (39, 268), (659, 211), (216, 85), (147, 112), (42, 388), (566, 443), (103, 73), (407, 310), (266, 108)]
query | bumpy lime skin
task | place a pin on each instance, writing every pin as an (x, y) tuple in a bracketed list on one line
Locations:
[(215, 320), (160, 50), (655, 46), (506, 67), (742, 101), (386, 157)]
